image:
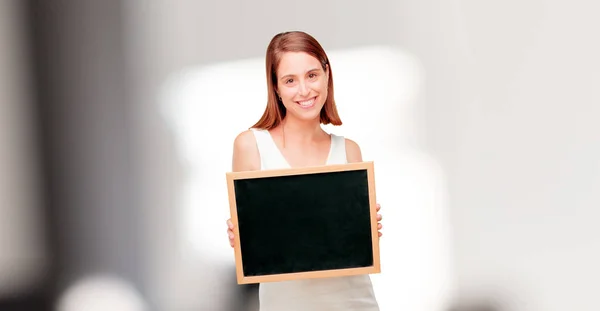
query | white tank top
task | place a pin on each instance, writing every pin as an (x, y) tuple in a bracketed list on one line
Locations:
[(350, 293)]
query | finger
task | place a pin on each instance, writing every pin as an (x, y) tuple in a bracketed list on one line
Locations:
[(378, 206), (380, 234), (231, 236), (379, 217), (379, 226), (229, 224)]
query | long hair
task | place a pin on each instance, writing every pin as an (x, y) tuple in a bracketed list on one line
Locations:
[(294, 41)]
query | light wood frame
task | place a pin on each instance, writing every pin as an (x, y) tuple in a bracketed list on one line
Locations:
[(368, 166)]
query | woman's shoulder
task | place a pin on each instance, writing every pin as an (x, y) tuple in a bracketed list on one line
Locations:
[(353, 152), (245, 152), (351, 146), (245, 140)]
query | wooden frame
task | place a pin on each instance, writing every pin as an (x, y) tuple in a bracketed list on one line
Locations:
[(232, 177)]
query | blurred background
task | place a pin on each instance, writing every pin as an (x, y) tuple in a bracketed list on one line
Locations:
[(117, 120)]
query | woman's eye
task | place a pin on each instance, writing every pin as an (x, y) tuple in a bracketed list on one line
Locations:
[(312, 75), (288, 81)]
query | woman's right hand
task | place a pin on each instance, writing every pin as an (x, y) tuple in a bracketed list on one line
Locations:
[(230, 231)]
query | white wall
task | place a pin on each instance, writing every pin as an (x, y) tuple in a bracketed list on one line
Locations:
[(526, 164), (508, 109)]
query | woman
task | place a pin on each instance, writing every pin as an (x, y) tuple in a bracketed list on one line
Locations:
[(289, 135)]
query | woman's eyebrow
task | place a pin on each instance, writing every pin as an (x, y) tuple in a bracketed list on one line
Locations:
[(293, 75)]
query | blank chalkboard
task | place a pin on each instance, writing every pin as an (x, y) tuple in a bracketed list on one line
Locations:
[(304, 222)]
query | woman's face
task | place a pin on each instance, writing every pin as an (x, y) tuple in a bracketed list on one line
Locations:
[(302, 85)]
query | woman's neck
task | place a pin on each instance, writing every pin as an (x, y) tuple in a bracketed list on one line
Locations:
[(298, 131)]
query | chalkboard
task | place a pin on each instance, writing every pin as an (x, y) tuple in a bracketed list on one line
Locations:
[(304, 222)]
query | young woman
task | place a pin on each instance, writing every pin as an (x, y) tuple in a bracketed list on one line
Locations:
[(289, 135)]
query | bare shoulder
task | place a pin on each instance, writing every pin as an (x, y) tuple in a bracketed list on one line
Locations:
[(353, 153), (245, 152), (245, 141)]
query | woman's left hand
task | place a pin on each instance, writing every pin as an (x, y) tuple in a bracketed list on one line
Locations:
[(379, 217)]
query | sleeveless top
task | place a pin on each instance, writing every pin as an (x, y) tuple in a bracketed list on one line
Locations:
[(348, 293)]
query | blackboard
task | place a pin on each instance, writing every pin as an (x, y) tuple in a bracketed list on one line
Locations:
[(304, 222)]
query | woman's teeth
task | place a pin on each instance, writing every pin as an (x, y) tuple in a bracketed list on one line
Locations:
[(307, 103)]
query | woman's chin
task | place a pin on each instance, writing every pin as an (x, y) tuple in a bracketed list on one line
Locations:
[(307, 115)]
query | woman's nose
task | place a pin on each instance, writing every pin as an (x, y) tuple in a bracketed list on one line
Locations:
[(302, 89)]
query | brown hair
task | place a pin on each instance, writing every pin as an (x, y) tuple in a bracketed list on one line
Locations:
[(294, 41)]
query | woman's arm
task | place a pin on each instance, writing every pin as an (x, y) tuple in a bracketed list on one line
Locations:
[(245, 158), (353, 154), (245, 153)]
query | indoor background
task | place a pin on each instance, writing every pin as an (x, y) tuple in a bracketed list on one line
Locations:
[(117, 120)]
